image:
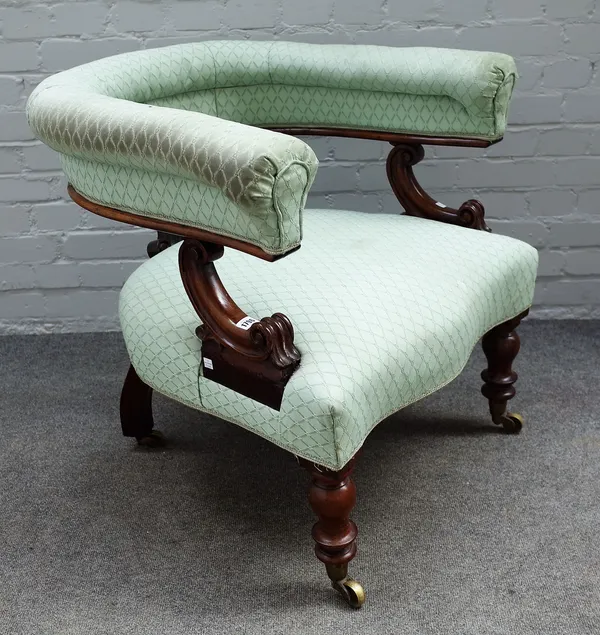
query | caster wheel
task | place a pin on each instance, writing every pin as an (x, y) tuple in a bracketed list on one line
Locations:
[(512, 423), (351, 591), (155, 439)]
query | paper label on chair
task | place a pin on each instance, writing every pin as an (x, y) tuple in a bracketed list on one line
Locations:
[(246, 323), (441, 205), (208, 363)]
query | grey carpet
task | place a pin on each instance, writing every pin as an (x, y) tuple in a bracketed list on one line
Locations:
[(463, 530)]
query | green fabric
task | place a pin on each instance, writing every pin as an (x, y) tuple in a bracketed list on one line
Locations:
[(115, 152), (386, 310), (427, 91), (127, 120), (166, 196), (441, 116)]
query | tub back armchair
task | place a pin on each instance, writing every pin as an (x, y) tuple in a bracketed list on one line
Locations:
[(317, 324)]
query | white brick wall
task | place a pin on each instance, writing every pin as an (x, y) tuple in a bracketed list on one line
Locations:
[(61, 268)]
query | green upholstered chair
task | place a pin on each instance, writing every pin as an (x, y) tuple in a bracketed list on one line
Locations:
[(309, 348)]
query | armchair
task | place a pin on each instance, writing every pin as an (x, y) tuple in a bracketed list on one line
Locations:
[(371, 314)]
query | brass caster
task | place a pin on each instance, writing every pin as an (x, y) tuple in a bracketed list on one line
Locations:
[(351, 591), (155, 439), (512, 423)]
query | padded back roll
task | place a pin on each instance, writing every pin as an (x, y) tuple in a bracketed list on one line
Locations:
[(161, 132)]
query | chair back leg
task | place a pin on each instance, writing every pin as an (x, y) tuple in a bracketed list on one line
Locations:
[(136, 412)]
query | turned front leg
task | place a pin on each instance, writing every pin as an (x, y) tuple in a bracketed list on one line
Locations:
[(332, 496), (501, 346)]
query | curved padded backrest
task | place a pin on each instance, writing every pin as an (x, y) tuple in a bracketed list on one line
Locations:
[(120, 123), (423, 91)]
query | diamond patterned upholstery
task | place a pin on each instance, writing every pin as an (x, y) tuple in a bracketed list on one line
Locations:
[(147, 131), (386, 310)]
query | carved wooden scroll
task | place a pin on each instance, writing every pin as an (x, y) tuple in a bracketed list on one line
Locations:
[(416, 201), (253, 357), (163, 241)]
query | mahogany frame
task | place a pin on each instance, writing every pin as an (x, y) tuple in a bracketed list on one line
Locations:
[(378, 135), (253, 357), (258, 361), (416, 201), (171, 228)]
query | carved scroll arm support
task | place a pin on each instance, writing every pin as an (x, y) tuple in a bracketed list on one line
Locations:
[(253, 357), (414, 199)]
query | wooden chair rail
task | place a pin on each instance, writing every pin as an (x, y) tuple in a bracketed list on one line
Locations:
[(377, 135), (171, 227)]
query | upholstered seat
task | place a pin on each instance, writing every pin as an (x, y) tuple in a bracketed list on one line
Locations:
[(386, 309)]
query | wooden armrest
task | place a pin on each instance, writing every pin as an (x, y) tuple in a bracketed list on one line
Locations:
[(256, 358), (414, 199)]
